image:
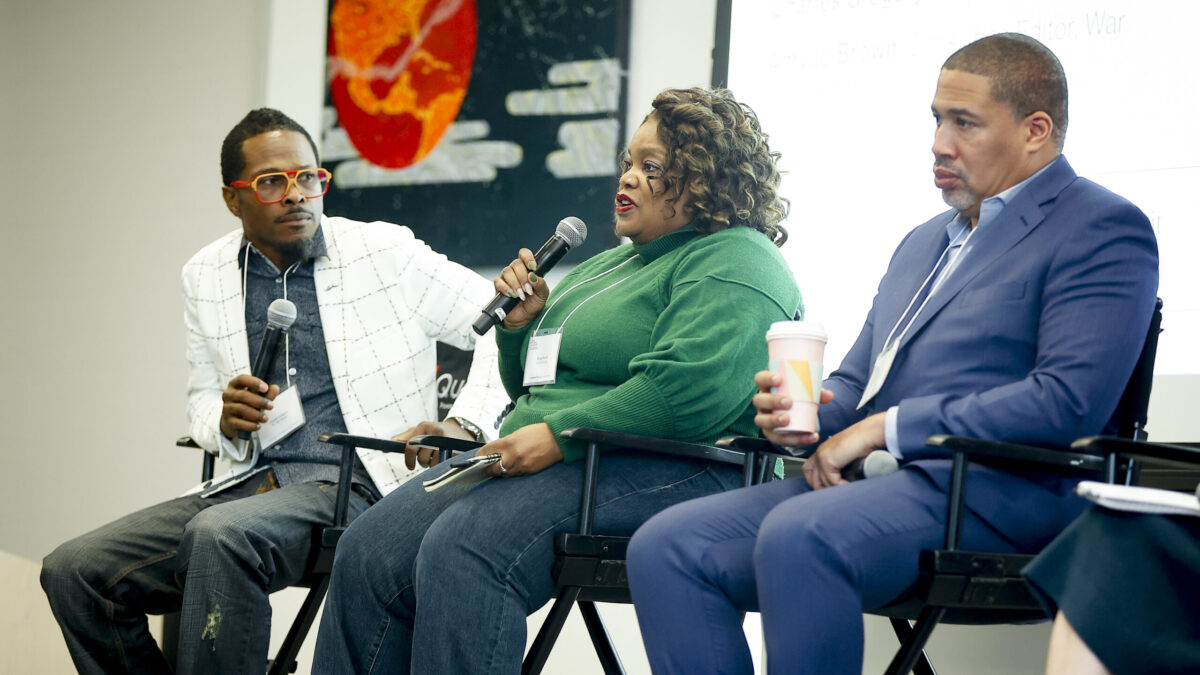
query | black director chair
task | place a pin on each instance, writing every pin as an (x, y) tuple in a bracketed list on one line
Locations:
[(590, 567), (453, 365), (320, 561), (977, 587), (955, 586)]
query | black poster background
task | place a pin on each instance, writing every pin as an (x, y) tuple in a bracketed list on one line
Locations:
[(483, 224)]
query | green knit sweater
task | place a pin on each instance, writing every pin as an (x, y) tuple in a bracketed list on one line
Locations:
[(670, 350)]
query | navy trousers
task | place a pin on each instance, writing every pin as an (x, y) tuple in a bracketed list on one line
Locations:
[(809, 561)]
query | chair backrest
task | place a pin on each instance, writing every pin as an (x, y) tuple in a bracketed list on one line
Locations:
[(1131, 413)]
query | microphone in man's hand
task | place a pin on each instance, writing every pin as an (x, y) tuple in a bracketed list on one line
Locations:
[(878, 463), (281, 314), (570, 233)]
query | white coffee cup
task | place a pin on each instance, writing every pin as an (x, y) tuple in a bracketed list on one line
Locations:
[(796, 350)]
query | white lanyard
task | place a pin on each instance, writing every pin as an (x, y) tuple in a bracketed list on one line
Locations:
[(916, 295), (538, 327), (883, 362), (541, 354)]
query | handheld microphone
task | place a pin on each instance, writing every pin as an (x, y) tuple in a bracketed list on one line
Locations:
[(878, 463), (281, 314), (570, 233)]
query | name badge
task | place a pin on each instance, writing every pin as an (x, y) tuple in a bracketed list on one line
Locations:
[(541, 360), (879, 373), (284, 419)]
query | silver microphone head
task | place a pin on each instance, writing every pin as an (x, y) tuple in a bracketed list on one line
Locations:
[(281, 314), (572, 230), (879, 463)]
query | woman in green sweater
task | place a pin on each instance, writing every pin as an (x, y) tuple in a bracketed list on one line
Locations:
[(660, 336)]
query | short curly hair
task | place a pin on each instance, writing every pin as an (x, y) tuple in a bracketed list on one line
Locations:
[(256, 122), (717, 148)]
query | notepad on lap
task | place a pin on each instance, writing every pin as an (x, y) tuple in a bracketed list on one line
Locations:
[(463, 471), (1139, 499)]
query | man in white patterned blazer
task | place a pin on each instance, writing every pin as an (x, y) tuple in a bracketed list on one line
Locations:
[(372, 301)]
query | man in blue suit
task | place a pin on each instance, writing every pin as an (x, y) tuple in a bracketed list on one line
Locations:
[(1018, 315)]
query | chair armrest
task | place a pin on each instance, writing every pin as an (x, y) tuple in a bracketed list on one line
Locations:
[(598, 437), (1014, 452), (445, 443), (659, 445), (348, 440), (1159, 452), (763, 446), (972, 448), (207, 463), (341, 512)]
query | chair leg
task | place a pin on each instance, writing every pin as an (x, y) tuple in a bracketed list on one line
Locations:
[(170, 641), (912, 657), (285, 658), (601, 640), (539, 651)]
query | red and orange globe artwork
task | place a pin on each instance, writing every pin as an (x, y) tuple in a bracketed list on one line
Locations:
[(399, 71)]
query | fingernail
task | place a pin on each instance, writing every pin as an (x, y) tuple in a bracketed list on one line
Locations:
[(533, 277), (528, 288), (520, 293), (510, 293), (532, 265)]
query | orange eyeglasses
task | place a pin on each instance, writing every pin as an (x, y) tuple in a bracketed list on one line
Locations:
[(271, 188)]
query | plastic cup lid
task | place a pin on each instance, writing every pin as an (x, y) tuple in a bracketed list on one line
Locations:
[(797, 329)]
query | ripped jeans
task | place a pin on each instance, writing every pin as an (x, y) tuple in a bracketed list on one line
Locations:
[(213, 559)]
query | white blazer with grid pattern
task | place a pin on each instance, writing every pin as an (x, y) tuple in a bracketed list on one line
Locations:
[(385, 299)]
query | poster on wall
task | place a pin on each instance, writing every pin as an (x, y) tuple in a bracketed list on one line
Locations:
[(478, 125)]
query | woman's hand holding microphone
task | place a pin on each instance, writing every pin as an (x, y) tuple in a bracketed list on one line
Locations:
[(520, 280)]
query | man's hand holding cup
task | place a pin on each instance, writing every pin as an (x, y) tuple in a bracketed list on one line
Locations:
[(788, 393)]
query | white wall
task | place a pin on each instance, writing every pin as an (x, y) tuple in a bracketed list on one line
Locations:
[(117, 111), (112, 116)]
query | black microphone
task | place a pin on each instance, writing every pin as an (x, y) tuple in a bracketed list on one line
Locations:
[(878, 463), (570, 233), (281, 314)]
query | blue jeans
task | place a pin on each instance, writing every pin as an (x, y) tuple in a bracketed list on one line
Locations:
[(809, 561), (213, 559), (441, 582)]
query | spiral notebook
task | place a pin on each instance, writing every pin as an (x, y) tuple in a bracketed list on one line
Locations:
[(463, 471), (1140, 499)]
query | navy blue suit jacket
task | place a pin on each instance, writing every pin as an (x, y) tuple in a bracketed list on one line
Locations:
[(1031, 339)]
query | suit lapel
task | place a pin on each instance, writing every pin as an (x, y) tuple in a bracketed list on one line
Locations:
[(994, 241)]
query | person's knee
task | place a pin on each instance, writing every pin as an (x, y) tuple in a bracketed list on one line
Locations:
[(351, 551), (66, 567), (789, 536), (664, 540), (213, 530), (446, 550)]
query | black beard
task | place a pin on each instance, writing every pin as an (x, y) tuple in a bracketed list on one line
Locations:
[(294, 252)]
